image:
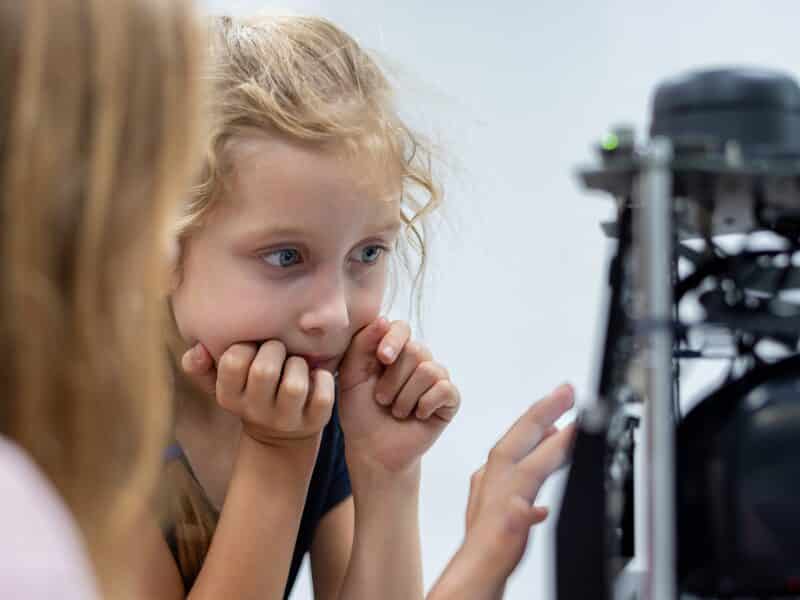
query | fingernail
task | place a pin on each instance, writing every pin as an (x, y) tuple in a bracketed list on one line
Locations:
[(566, 388), (381, 399), (388, 352), (197, 354), (188, 358)]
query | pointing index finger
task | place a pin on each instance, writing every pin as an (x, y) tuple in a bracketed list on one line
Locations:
[(534, 424)]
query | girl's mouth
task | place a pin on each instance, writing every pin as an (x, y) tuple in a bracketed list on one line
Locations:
[(327, 362)]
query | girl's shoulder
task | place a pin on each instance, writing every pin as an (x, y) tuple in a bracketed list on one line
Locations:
[(173, 452), (41, 549)]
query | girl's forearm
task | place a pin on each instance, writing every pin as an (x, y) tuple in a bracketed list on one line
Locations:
[(386, 559), (469, 576), (252, 547)]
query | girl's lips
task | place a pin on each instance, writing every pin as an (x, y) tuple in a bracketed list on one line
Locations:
[(327, 362)]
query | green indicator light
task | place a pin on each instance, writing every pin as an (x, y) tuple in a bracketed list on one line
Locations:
[(610, 142)]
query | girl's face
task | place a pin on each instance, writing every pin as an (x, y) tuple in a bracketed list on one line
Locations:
[(296, 251)]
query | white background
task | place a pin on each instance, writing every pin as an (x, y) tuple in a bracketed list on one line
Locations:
[(517, 91)]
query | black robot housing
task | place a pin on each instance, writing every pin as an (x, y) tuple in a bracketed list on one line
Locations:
[(722, 482)]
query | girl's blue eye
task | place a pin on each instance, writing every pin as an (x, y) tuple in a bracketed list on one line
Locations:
[(285, 257), (370, 254)]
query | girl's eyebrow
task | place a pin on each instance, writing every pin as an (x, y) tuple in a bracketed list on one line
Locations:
[(257, 233), (391, 225), (288, 231)]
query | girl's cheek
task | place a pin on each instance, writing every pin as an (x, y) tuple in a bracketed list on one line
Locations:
[(368, 307)]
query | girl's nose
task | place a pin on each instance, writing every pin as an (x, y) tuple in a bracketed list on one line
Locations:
[(326, 311)]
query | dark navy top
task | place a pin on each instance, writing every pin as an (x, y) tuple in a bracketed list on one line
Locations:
[(330, 484)]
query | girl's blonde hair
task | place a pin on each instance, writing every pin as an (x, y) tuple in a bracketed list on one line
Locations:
[(305, 80), (98, 113)]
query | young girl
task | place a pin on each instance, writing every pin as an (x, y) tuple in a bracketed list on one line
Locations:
[(310, 183), (95, 136)]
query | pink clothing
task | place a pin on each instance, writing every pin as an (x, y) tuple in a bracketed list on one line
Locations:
[(41, 550)]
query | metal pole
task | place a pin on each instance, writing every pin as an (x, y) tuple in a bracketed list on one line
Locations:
[(653, 236)]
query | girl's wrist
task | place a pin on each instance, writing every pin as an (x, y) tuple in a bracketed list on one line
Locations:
[(472, 573), (372, 477), (301, 451), (276, 476)]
